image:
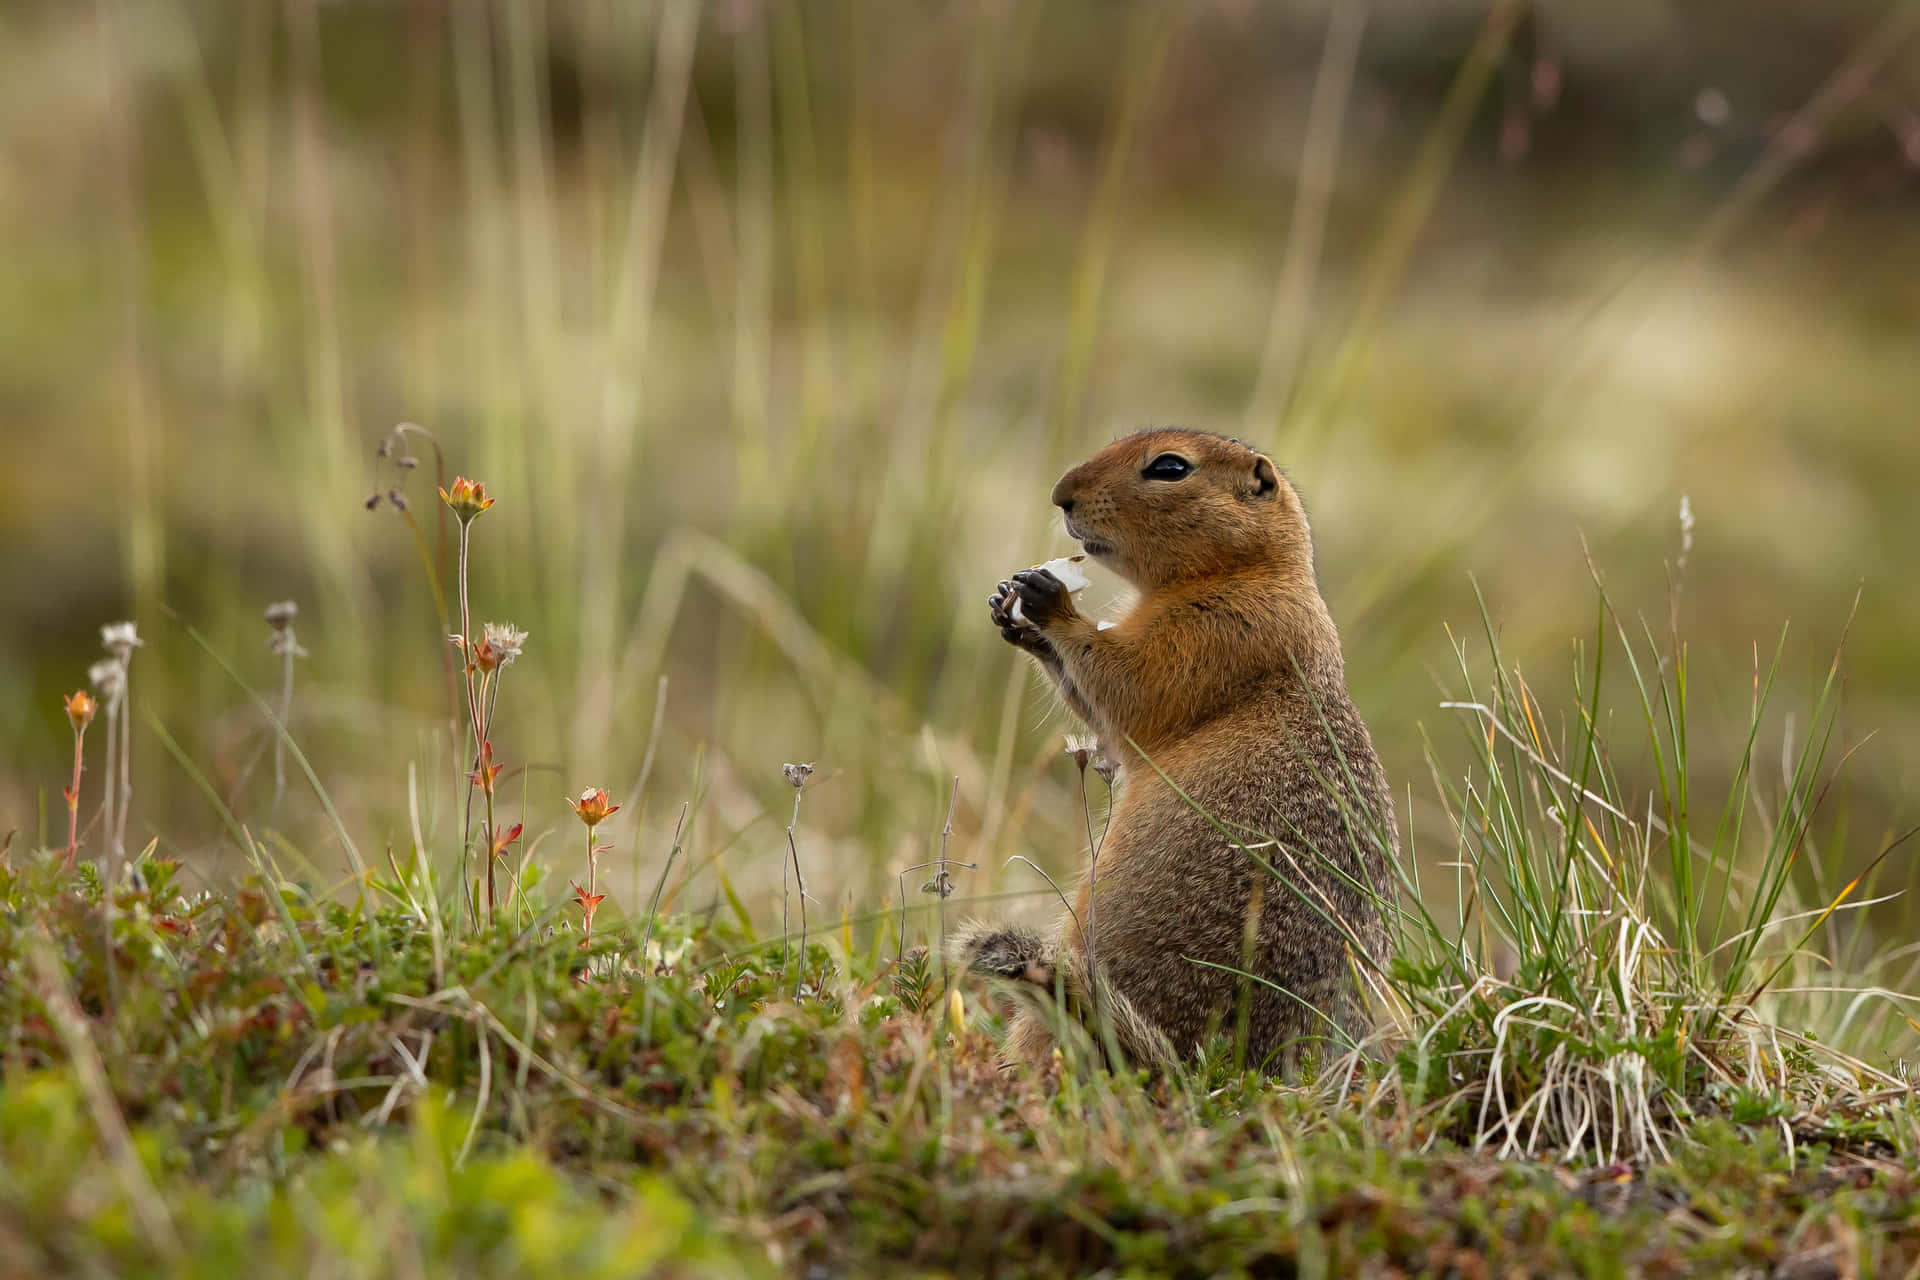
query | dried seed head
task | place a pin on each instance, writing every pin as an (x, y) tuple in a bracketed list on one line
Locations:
[(797, 774), (120, 639), (373, 502), (282, 644), (1107, 768), (504, 639), (398, 499), (1081, 746), (108, 676), (941, 885)]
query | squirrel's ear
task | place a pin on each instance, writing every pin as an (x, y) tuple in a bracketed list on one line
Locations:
[(1266, 476)]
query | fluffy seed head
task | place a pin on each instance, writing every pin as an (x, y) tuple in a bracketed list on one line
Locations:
[(108, 676), (120, 639), (504, 639)]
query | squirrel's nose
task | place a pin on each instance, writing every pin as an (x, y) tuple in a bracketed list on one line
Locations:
[(1063, 496)]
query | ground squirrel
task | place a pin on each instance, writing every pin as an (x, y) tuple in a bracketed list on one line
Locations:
[(1224, 681)]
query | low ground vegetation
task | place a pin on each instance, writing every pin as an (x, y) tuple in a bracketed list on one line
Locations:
[(1626, 1052), (263, 1078)]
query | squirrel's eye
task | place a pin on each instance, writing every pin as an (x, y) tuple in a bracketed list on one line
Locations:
[(1168, 466)]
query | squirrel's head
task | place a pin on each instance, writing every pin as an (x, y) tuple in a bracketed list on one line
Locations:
[(1165, 505)]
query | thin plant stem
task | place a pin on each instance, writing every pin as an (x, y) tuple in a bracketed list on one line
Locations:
[(942, 862), (119, 848), (1052, 884), (486, 792), (473, 720), (490, 687), (800, 883), (900, 939), (73, 797), (593, 860), (432, 558), (940, 879), (466, 612), (1093, 886), (483, 729), (439, 605), (108, 805), (279, 740), (647, 938)]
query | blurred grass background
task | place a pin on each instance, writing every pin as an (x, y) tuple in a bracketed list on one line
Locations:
[(770, 326)]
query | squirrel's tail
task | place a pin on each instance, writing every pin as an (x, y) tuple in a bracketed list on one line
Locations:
[(1035, 969)]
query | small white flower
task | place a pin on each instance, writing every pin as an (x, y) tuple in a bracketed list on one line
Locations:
[(282, 642), (1067, 569), (108, 676), (120, 639)]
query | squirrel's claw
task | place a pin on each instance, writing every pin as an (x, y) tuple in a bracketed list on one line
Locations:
[(1013, 630), (1000, 606), (1044, 599)]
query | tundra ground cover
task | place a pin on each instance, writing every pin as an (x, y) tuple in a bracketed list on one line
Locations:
[(770, 325)]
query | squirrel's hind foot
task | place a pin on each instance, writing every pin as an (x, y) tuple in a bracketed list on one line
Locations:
[(1012, 952)]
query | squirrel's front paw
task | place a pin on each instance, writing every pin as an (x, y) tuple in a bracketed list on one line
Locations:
[(1044, 599), (1014, 629)]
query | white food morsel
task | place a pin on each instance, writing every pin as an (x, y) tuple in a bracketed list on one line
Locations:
[(1067, 570)]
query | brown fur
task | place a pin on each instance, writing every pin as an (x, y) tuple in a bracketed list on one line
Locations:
[(1226, 678)]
